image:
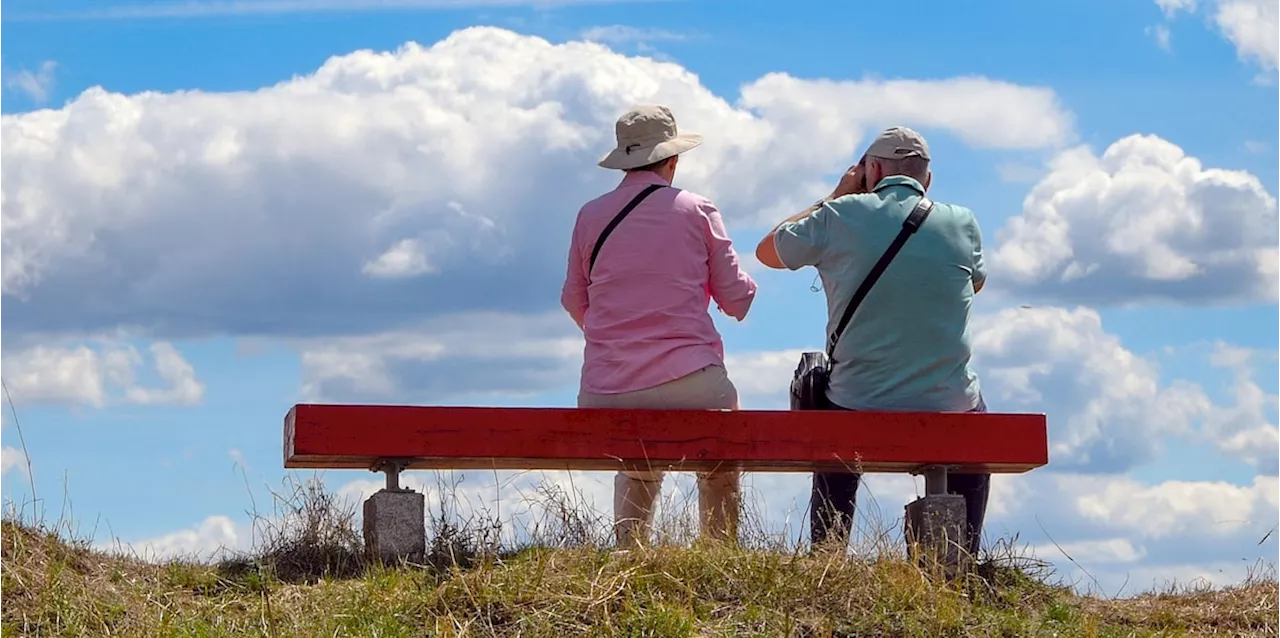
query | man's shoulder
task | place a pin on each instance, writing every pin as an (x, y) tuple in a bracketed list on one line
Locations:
[(955, 210), (958, 209), (854, 200), (873, 200), (871, 211), (860, 209)]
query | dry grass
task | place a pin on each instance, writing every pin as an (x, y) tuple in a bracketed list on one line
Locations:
[(306, 578), (1246, 609), (311, 536)]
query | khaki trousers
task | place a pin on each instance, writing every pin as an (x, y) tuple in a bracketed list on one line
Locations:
[(635, 493)]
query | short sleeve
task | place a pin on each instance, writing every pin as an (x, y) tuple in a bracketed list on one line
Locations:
[(802, 243)]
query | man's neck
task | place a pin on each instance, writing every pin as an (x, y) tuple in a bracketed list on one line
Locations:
[(899, 180)]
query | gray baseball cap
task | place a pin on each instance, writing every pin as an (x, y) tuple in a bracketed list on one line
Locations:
[(898, 142)]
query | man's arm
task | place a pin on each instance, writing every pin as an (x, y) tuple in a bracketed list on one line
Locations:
[(767, 249), (979, 264), (573, 295)]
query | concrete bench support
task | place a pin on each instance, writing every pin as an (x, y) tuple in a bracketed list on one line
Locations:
[(935, 524), (395, 519)]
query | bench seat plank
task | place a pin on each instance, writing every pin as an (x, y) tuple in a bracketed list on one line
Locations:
[(464, 438)]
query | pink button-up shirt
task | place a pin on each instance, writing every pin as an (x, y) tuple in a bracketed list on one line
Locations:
[(644, 308)]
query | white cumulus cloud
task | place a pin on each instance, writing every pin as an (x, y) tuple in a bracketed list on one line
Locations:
[(462, 163), (215, 537), (34, 84), (1247, 428), (101, 374), (1206, 509), (1172, 7), (1094, 552), (1252, 26), (763, 377), (474, 356), (405, 258), (1106, 406), (1143, 221), (12, 458), (1122, 536)]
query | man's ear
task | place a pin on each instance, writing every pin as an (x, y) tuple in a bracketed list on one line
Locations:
[(928, 179)]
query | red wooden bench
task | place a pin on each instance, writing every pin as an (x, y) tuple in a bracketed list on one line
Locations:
[(391, 439)]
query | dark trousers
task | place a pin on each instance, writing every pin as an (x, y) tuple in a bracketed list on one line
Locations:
[(834, 496)]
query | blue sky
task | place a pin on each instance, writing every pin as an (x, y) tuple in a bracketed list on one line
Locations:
[(194, 194)]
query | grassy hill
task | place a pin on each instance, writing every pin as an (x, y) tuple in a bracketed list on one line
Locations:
[(307, 579)]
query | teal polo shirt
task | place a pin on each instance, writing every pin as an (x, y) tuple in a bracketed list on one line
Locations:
[(907, 347)]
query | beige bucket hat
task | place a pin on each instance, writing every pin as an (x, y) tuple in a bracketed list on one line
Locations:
[(647, 134)]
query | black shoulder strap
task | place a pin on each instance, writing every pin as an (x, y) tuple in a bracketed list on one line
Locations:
[(909, 226), (626, 210)]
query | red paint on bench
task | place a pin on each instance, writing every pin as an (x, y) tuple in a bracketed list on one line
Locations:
[(354, 436)]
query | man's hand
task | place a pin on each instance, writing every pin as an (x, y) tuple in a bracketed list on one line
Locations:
[(853, 182)]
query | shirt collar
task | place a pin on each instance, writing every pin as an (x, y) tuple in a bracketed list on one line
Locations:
[(899, 180), (644, 178)]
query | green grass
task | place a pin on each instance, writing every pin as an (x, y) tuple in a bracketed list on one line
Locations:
[(53, 587)]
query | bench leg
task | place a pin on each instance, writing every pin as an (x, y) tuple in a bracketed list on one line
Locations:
[(935, 525), (395, 528)]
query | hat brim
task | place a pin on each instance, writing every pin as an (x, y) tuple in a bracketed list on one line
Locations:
[(621, 160)]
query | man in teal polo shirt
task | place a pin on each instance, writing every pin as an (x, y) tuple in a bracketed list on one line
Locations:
[(907, 346)]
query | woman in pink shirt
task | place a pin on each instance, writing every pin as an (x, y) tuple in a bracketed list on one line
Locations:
[(641, 297)]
